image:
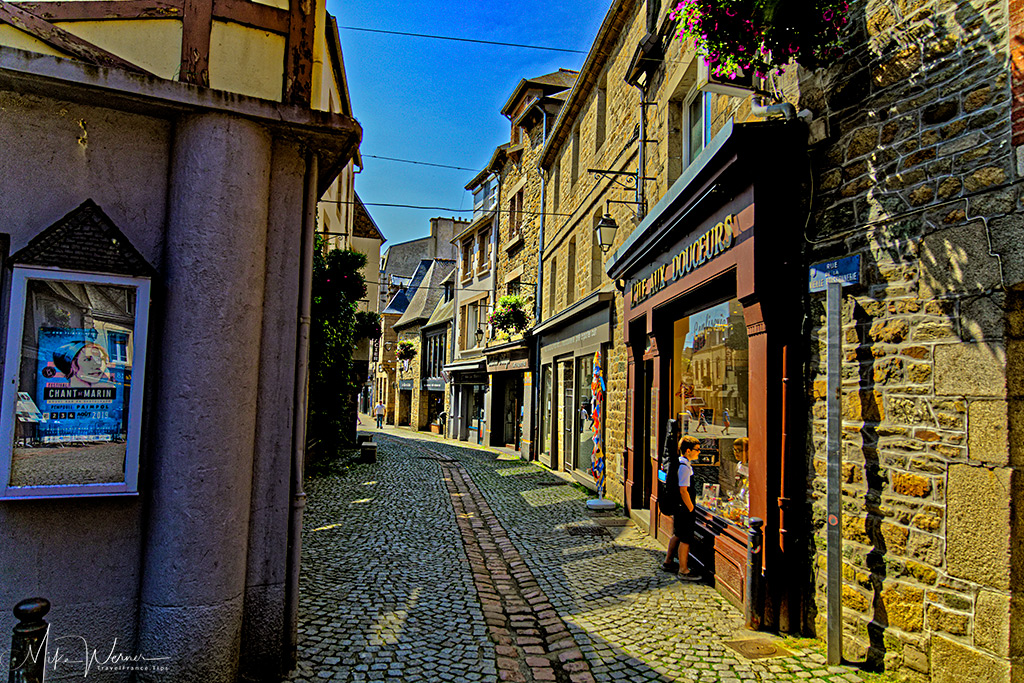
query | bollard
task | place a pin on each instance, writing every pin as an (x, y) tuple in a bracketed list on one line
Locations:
[(368, 452), (755, 547), (28, 641)]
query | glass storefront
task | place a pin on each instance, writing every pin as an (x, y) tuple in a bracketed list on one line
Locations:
[(545, 416), (585, 407), (710, 402)]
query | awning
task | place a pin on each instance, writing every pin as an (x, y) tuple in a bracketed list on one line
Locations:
[(475, 365)]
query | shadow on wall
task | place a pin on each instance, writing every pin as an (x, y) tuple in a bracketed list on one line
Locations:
[(918, 179)]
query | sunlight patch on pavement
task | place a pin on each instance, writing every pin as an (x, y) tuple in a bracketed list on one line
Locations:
[(387, 628), (504, 456), (526, 469), (361, 501), (325, 528), (550, 495)]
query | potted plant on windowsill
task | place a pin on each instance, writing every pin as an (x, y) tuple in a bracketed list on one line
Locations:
[(510, 315), (762, 36)]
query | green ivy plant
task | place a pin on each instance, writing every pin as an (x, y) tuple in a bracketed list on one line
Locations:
[(368, 325), (333, 376), (762, 36)]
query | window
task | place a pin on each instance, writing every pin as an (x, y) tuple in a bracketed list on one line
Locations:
[(117, 345), (72, 399), (545, 415), (688, 130), (464, 327), (475, 317), (435, 356), (602, 112), (575, 157), (696, 125), (515, 215), (570, 277), (711, 388), (513, 287), (552, 277), (555, 194), (584, 410), (483, 250), (596, 255), (467, 259)]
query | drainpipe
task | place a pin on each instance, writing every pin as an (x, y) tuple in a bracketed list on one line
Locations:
[(300, 400), (760, 109), (641, 201), (538, 292)]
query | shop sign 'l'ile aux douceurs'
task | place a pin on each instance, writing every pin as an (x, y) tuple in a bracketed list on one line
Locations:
[(701, 250)]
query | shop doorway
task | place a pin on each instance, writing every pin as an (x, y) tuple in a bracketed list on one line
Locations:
[(644, 430), (512, 410), (584, 417), (568, 416), (547, 397)]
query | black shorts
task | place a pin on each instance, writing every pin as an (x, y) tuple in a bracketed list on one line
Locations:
[(682, 525)]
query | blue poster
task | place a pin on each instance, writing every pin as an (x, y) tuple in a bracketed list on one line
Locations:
[(80, 395)]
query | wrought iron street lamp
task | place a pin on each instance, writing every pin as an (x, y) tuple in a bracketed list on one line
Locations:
[(605, 229)]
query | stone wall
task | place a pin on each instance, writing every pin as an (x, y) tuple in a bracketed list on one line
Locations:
[(916, 176)]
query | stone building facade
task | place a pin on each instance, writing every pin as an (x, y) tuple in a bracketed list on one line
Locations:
[(910, 164), (531, 109), (918, 176)]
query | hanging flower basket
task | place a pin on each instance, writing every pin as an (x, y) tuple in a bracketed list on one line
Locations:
[(510, 315), (762, 36), (406, 350)]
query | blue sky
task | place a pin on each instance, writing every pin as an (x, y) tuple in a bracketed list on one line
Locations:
[(439, 101)]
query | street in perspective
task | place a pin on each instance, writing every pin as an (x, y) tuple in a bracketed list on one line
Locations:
[(603, 340)]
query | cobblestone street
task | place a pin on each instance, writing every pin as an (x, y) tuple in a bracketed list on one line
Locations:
[(457, 563)]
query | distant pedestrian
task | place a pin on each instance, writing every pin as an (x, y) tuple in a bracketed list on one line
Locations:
[(702, 421), (379, 411), (686, 421), (725, 420), (684, 519)]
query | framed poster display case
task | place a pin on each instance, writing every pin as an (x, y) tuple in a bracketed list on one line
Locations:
[(73, 377)]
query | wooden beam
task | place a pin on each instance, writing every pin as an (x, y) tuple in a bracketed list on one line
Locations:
[(195, 42), (298, 64), (61, 40), (92, 10), (251, 14)]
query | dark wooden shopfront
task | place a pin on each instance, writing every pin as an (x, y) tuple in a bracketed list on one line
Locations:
[(720, 253)]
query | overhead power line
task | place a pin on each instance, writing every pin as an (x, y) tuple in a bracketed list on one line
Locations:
[(419, 163), (525, 212), (461, 40)]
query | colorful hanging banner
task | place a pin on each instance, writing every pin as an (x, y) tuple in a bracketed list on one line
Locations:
[(597, 400)]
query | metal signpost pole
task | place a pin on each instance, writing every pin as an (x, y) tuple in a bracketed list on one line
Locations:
[(833, 426)]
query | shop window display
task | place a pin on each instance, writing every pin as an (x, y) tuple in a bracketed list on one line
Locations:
[(710, 402)]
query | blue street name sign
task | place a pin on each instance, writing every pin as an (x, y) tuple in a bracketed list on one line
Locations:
[(844, 270)]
